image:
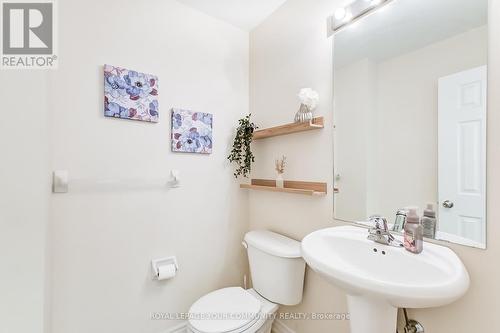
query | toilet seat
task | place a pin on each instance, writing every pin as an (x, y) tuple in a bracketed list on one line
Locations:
[(228, 310)]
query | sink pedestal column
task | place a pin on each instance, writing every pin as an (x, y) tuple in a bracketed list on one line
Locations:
[(371, 315)]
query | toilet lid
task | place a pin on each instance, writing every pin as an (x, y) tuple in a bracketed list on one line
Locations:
[(224, 310)]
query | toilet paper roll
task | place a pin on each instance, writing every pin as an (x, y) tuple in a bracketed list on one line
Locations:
[(166, 272)]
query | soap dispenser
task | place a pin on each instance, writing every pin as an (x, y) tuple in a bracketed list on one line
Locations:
[(413, 236)]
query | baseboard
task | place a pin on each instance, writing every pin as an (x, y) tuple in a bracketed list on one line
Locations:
[(280, 327), (181, 328)]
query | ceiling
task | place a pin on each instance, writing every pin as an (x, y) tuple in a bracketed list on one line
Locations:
[(245, 14), (407, 25)]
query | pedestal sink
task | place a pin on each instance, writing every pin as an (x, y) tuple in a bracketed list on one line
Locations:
[(379, 279)]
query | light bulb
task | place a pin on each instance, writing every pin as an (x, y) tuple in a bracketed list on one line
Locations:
[(348, 16), (340, 14)]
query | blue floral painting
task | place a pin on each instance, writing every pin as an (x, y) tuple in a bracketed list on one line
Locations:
[(191, 132), (130, 95)]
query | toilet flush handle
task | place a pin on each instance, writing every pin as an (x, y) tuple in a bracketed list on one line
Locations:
[(245, 245)]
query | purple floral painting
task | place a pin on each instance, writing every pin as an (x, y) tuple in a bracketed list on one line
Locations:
[(191, 132), (130, 95)]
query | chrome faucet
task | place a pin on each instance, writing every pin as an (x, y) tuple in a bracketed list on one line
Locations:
[(380, 233)]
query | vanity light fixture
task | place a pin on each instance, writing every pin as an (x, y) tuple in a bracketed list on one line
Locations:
[(340, 14), (348, 17), (356, 10)]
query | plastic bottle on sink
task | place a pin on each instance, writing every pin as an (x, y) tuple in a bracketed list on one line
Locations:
[(429, 222), (414, 232)]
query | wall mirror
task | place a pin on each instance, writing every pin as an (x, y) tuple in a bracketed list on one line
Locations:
[(410, 115)]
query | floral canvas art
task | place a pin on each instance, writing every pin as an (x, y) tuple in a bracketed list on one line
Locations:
[(191, 132), (130, 95)]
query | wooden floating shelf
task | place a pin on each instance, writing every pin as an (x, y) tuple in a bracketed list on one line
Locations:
[(295, 187), (316, 123)]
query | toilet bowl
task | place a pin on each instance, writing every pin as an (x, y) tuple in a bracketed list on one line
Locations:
[(277, 271), (232, 310)]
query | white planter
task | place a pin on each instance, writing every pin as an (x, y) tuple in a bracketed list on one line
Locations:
[(304, 115), (280, 183)]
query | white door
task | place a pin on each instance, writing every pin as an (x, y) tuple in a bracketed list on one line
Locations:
[(462, 154)]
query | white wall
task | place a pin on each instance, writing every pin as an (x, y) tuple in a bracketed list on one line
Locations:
[(24, 188), (103, 237), (289, 51)]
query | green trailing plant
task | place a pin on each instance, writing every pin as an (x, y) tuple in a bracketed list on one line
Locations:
[(241, 154)]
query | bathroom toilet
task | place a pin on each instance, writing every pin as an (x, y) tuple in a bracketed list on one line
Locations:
[(277, 271)]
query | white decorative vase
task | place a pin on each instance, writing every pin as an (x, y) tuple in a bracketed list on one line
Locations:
[(280, 183), (304, 115)]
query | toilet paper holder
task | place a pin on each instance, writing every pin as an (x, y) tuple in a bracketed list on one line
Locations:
[(156, 263)]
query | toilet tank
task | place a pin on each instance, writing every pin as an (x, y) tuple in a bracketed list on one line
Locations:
[(276, 266)]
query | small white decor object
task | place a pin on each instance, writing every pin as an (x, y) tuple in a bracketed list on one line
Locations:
[(309, 101), (175, 179), (280, 169), (164, 268), (60, 181)]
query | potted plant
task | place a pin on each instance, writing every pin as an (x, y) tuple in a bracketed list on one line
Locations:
[(241, 154)]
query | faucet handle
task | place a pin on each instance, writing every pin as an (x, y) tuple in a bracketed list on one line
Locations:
[(380, 232), (379, 222)]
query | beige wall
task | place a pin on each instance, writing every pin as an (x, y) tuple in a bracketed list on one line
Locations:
[(290, 51), (103, 237)]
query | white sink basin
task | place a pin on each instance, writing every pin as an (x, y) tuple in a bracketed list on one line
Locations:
[(378, 278)]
